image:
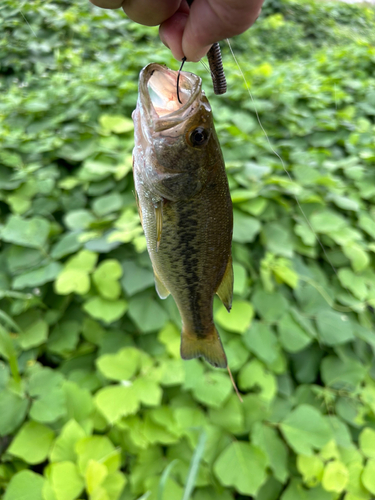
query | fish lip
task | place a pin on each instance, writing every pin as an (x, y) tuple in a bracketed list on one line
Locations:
[(156, 122)]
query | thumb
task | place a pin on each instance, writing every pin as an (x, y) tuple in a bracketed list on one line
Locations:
[(212, 20)]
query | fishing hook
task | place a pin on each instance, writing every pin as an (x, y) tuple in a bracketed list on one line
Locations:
[(178, 79)]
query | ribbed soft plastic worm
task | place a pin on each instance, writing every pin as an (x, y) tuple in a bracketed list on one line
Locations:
[(217, 70)]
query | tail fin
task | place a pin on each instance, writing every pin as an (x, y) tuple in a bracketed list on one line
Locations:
[(208, 346)]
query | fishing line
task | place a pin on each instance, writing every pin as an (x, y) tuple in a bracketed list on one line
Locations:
[(281, 160), (32, 31), (206, 67), (234, 384)]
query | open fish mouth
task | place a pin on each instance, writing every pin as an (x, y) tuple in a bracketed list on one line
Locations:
[(158, 92), (162, 88)]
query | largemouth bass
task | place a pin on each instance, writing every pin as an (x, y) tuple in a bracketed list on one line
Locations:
[(184, 204)]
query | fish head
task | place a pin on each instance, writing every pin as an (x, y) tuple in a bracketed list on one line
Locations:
[(180, 136)]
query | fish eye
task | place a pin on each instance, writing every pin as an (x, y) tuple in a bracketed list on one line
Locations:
[(199, 137)]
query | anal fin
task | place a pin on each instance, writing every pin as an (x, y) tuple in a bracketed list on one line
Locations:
[(225, 290), (162, 290)]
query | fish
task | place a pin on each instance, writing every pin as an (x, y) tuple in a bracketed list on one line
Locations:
[(184, 204)]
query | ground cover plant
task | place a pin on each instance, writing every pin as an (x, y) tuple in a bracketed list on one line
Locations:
[(95, 401)]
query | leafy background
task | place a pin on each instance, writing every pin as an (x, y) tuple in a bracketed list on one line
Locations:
[(95, 401)]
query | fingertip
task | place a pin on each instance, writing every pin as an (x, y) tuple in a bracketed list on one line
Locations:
[(163, 41), (171, 32), (107, 4), (196, 37), (192, 50)]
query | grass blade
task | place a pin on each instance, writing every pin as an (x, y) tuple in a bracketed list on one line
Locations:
[(164, 478), (9, 322), (194, 466)]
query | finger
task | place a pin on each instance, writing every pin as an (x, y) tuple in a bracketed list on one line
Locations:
[(171, 31), (149, 12), (213, 20)]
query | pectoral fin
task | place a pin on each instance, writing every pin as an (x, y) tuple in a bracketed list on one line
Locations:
[(159, 222), (162, 290), (225, 290)]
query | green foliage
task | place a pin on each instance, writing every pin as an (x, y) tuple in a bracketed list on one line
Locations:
[(95, 401), (235, 463)]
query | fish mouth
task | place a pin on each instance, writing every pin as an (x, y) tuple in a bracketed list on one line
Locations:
[(158, 95)]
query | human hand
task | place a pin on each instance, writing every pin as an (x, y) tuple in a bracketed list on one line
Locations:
[(190, 32)]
